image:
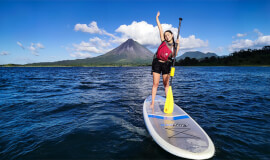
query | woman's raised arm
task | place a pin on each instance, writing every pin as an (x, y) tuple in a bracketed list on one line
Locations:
[(160, 28)]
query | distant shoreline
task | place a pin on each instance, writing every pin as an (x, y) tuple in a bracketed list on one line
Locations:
[(78, 66), (22, 66)]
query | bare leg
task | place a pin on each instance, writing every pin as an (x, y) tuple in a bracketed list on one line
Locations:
[(166, 79), (156, 78)]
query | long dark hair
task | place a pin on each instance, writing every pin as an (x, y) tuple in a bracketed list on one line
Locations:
[(174, 47)]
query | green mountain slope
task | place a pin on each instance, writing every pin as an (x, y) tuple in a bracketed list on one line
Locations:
[(196, 55)]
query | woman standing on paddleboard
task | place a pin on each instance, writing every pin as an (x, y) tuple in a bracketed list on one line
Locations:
[(162, 60)]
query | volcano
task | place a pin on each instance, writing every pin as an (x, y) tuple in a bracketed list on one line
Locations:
[(128, 53)]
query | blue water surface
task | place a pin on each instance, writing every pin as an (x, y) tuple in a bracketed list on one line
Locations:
[(96, 113)]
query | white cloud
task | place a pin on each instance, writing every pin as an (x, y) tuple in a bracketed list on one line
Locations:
[(263, 40), (241, 35), (39, 45), (192, 42), (80, 55), (250, 44), (20, 44), (85, 46), (4, 53), (93, 46), (99, 42), (148, 35), (240, 44), (91, 28), (142, 32), (34, 48), (258, 32)]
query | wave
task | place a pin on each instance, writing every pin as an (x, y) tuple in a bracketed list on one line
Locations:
[(130, 127), (85, 87)]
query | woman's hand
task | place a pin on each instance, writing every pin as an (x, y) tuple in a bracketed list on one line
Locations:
[(158, 14), (177, 41)]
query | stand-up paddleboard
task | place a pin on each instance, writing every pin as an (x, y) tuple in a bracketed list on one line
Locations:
[(177, 132)]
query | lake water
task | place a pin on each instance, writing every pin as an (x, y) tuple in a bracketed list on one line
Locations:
[(96, 113)]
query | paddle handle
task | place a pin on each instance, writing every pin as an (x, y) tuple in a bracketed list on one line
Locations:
[(178, 33), (180, 20)]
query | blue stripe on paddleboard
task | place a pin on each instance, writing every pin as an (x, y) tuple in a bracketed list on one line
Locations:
[(168, 118)]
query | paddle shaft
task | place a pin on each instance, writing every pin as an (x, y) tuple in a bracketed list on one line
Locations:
[(175, 48)]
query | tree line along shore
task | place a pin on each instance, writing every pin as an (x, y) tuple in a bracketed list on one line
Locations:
[(249, 57)]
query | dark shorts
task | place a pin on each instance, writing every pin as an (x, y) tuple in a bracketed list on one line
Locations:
[(159, 67)]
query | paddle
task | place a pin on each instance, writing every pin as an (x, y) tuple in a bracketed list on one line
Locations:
[(169, 104)]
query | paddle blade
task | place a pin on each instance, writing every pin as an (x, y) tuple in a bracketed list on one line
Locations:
[(172, 71), (169, 104)]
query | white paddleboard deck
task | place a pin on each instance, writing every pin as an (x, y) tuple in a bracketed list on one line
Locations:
[(176, 133)]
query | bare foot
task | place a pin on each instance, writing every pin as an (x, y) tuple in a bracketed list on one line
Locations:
[(152, 105)]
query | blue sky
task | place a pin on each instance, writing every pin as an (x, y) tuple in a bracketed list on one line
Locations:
[(53, 30)]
